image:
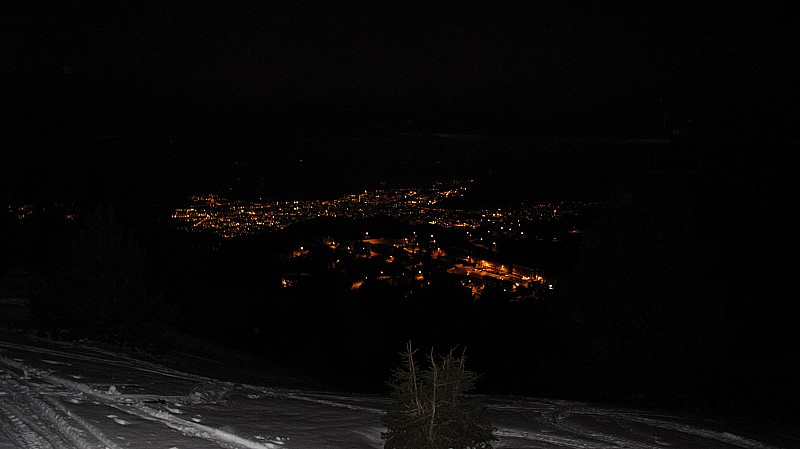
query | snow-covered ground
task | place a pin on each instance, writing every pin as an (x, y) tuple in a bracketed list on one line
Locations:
[(57, 394)]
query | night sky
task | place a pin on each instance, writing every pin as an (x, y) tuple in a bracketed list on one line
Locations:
[(93, 68)]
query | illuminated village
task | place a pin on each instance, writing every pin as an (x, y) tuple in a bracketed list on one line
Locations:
[(468, 252)]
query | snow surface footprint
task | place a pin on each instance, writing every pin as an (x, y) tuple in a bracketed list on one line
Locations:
[(173, 410), (55, 362), (118, 420), (276, 440)]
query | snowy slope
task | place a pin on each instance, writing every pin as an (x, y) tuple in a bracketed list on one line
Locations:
[(56, 394)]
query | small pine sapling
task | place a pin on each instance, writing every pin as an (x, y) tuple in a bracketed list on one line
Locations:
[(431, 409)]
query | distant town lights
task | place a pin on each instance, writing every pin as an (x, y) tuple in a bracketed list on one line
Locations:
[(230, 218)]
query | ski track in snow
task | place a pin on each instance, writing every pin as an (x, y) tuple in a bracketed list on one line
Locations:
[(110, 358), (39, 425), (42, 422), (567, 432), (318, 398), (39, 409)]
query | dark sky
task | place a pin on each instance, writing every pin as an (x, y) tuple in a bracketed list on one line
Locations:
[(269, 67)]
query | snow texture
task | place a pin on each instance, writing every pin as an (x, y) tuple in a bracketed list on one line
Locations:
[(80, 395)]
